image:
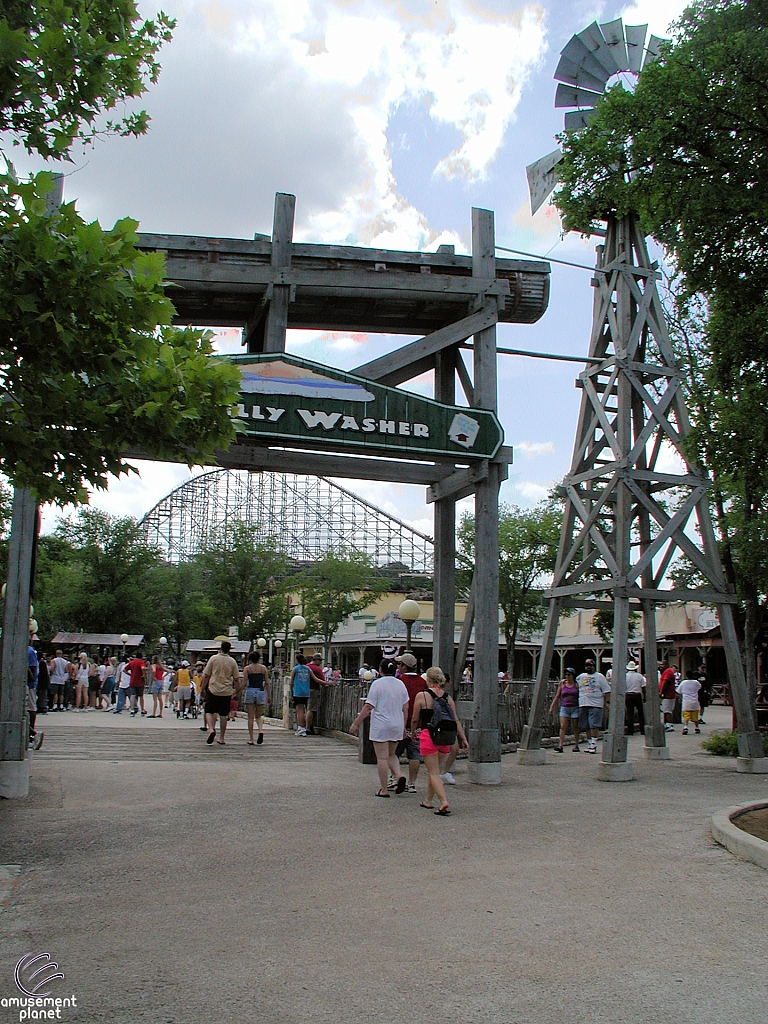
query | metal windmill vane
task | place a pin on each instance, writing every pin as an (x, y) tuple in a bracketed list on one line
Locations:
[(587, 63), (620, 533)]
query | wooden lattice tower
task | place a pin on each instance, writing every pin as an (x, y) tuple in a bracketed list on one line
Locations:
[(625, 519)]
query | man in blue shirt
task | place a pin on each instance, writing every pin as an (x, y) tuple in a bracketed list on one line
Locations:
[(32, 670)]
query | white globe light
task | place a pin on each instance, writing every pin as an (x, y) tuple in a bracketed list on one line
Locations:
[(261, 642), (409, 610), (278, 644), (163, 641), (33, 625), (367, 675), (298, 623), (124, 638)]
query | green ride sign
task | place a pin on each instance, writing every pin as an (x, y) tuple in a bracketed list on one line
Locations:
[(285, 400)]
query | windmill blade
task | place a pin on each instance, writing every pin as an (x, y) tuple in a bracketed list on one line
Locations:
[(576, 119), (542, 178), (653, 50), (613, 33), (569, 96), (593, 39), (576, 51), (635, 36), (572, 74)]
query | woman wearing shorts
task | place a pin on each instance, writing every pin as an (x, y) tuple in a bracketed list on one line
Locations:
[(158, 671), (387, 704), (568, 694), (256, 685), (81, 683), (421, 717), (108, 686)]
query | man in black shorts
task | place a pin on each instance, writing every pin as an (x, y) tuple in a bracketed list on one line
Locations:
[(221, 680)]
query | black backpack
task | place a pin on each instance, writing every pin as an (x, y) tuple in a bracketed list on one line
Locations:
[(442, 728)]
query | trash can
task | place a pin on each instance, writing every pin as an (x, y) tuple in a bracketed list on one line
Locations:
[(365, 752)]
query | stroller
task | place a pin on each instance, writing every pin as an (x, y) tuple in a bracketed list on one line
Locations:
[(194, 703)]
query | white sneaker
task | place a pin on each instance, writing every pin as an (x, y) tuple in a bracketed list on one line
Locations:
[(411, 787), (392, 784), (592, 747), (448, 779), (301, 731)]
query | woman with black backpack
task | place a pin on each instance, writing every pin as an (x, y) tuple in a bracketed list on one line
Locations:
[(436, 725)]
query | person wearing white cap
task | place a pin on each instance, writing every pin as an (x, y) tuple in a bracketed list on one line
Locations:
[(634, 700)]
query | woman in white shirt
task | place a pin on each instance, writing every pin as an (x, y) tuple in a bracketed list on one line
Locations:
[(387, 705)]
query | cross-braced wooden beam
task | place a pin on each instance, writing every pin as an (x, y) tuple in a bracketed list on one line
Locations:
[(625, 522)]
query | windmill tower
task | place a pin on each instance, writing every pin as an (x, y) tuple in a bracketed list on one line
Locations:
[(627, 519)]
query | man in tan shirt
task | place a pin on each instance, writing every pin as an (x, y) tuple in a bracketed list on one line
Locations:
[(221, 679)]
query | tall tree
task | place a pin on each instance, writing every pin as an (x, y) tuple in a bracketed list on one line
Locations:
[(244, 576), (688, 151), (184, 610), (89, 364), (335, 586), (528, 541), (99, 579)]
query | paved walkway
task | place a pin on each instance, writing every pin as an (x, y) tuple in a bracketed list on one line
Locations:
[(269, 885)]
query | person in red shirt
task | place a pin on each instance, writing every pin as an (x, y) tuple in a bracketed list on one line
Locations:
[(414, 683), (136, 668), (316, 681), (668, 694)]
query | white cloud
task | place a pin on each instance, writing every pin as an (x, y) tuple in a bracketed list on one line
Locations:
[(533, 448), (656, 14), (531, 491)]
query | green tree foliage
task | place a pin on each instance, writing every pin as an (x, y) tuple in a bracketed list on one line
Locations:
[(528, 541), (688, 152), (84, 371), (63, 64), (184, 611), (244, 576), (89, 365), (602, 621), (94, 575), (337, 585)]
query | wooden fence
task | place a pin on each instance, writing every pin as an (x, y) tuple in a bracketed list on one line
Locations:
[(340, 704)]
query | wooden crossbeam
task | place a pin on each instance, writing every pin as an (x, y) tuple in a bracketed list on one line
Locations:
[(411, 360), (462, 483)]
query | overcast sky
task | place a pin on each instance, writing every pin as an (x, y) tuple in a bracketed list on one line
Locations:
[(389, 120)]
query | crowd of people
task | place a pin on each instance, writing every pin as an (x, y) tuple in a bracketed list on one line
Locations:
[(584, 699)]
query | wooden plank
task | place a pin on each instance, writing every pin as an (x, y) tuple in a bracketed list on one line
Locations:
[(463, 480), (278, 460), (364, 283), (463, 375), (262, 246), (408, 361), (704, 595)]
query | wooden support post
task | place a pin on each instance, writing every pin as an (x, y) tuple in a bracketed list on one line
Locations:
[(445, 541), (484, 746), (614, 741), (655, 736), (14, 763), (529, 751), (275, 318), (466, 633), (614, 767), (751, 755)]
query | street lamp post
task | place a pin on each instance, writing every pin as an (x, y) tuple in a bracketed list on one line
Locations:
[(409, 611), (298, 624), (124, 640)]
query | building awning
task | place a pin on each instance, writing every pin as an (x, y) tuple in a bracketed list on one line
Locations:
[(97, 639), (211, 646)]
